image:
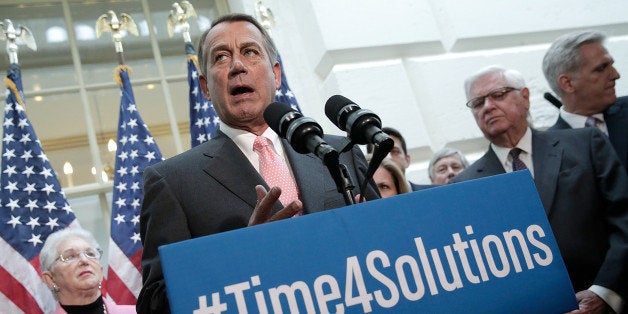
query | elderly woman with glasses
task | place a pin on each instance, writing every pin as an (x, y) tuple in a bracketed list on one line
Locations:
[(70, 266)]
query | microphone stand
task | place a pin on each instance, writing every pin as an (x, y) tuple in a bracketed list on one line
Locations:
[(380, 151), (341, 176)]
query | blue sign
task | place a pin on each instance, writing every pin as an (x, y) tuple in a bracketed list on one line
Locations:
[(483, 246)]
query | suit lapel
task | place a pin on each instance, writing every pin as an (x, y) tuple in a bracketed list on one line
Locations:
[(561, 124), (546, 155), (616, 118), (228, 166), (309, 173), (489, 164)]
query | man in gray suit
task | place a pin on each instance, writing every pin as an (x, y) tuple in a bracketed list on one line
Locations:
[(581, 183), (580, 71), (217, 186)]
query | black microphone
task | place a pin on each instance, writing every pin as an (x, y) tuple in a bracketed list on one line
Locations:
[(303, 133), (551, 98), (363, 126)]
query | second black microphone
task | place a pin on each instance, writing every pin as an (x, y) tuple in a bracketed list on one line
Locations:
[(303, 133)]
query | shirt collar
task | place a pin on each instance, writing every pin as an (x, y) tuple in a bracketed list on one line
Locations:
[(525, 144), (577, 121), (244, 139)]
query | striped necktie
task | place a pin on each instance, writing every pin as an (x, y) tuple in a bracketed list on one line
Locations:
[(591, 122), (517, 164)]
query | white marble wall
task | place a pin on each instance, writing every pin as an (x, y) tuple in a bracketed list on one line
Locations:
[(407, 59)]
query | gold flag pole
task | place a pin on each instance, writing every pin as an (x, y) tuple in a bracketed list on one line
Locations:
[(109, 22), (178, 20)]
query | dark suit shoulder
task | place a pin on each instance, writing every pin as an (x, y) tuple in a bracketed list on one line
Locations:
[(188, 158), (560, 124), (418, 187), (569, 134), (473, 171), (622, 101)]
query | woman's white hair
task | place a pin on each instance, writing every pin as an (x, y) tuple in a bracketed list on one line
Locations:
[(49, 253)]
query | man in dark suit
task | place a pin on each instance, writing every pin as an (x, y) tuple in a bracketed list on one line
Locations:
[(582, 185), (580, 71), (399, 155), (217, 186)]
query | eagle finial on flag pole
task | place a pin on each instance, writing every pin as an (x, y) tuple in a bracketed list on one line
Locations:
[(15, 36), (178, 19), (264, 16), (109, 22)]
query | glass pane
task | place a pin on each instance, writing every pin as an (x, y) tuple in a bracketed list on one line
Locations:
[(92, 217), (206, 11), (51, 65), (179, 90), (151, 105), (61, 141), (98, 55)]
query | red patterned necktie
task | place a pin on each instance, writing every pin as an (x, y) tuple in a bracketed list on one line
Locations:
[(517, 164), (275, 171)]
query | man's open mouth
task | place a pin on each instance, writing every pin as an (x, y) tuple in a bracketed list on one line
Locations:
[(241, 90)]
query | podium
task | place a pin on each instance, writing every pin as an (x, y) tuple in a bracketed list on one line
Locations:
[(482, 246)]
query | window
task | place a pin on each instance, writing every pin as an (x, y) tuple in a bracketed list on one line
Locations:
[(73, 102)]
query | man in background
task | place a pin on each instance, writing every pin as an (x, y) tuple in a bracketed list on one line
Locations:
[(581, 183), (580, 70), (399, 155), (445, 164)]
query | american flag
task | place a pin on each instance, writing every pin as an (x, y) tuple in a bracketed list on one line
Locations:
[(203, 118), (136, 150), (284, 94), (33, 206)]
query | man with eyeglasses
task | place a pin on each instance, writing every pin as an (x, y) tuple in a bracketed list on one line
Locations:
[(580, 71), (399, 155), (581, 183)]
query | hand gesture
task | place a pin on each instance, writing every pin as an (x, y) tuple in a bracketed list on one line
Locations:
[(264, 206)]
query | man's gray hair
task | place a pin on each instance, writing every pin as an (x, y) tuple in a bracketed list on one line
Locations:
[(269, 45), (563, 56), (512, 77), (445, 152), (49, 253)]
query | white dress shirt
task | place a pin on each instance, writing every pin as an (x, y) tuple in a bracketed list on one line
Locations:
[(525, 144), (244, 140), (577, 121)]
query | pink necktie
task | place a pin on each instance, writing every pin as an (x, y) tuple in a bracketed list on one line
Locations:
[(275, 171)]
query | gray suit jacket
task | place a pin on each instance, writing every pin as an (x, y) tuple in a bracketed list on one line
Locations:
[(584, 190), (616, 118), (210, 189)]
